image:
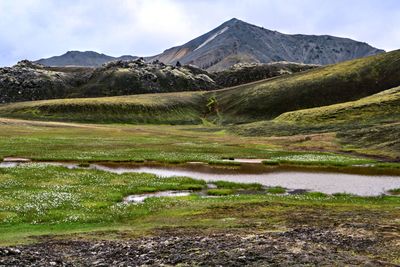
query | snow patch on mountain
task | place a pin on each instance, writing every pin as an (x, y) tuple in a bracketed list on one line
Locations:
[(212, 38)]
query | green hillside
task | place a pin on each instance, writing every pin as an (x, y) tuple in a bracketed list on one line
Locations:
[(257, 101), (370, 125), (382, 106), (168, 108), (332, 84)]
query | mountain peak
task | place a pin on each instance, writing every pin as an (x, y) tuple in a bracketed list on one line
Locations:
[(77, 52), (81, 58), (233, 20), (236, 41)]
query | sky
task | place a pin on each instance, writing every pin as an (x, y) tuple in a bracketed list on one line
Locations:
[(34, 29)]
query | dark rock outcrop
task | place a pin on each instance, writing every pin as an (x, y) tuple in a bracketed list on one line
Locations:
[(138, 77), (242, 73), (31, 81), (28, 81)]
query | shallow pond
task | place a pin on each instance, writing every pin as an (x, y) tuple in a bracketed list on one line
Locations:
[(310, 179), (363, 181)]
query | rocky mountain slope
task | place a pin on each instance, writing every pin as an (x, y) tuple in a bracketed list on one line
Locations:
[(242, 73), (82, 59), (31, 81), (236, 41)]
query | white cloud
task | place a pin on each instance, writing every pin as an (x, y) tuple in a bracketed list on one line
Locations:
[(40, 28)]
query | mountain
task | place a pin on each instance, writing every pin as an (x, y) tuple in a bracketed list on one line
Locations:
[(82, 59), (236, 41)]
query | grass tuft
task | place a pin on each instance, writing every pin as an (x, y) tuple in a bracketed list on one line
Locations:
[(233, 185), (276, 190), (220, 192), (395, 191)]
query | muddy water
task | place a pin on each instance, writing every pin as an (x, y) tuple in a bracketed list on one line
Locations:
[(362, 181), (8, 164), (314, 180)]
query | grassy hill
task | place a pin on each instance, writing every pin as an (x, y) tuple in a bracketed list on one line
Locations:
[(368, 126), (167, 108), (332, 84), (378, 107), (257, 101)]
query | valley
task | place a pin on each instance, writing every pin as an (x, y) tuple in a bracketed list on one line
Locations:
[(75, 208), (243, 160)]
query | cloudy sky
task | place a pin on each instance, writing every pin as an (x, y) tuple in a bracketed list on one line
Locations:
[(34, 29)]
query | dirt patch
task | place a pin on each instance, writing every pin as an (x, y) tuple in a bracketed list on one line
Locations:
[(297, 247)]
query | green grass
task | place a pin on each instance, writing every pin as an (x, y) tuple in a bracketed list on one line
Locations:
[(40, 200), (322, 195), (220, 192), (167, 108), (380, 139), (276, 190), (84, 143), (384, 105), (367, 126), (243, 186), (52, 195), (395, 191)]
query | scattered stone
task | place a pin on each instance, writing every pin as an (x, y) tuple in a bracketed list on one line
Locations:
[(301, 246)]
